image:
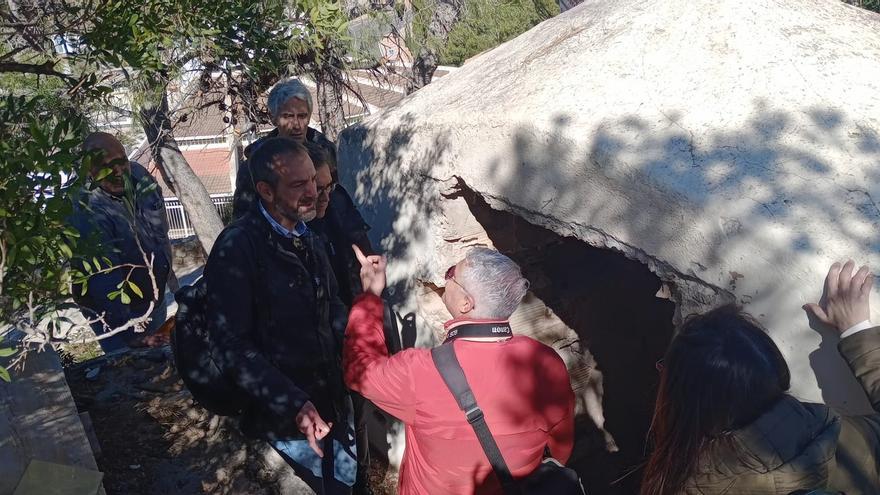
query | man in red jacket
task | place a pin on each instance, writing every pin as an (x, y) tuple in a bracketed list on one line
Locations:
[(521, 385)]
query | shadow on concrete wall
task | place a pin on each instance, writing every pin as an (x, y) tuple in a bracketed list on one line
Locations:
[(667, 174), (786, 185)]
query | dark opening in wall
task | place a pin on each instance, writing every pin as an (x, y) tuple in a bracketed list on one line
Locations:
[(610, 302)]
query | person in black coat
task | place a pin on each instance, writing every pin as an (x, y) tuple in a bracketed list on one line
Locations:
[(277, 322), (339, 223), (347, 270)]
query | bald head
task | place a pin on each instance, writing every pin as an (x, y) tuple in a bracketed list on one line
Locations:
[(103, 141), (112, 155)]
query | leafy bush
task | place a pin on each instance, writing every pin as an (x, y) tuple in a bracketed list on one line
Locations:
[(38, 158), (38, 178), (488, 23)]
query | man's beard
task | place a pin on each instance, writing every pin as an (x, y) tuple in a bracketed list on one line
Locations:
[(299, 214), (309, 215)]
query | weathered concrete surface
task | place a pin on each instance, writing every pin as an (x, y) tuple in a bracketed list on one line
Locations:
[(39, 421), (731, 146)]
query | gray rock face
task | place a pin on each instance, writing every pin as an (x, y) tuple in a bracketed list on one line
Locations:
[(732, 147)]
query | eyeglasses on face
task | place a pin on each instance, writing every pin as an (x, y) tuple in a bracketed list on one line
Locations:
[(450, 276), (329, 188)]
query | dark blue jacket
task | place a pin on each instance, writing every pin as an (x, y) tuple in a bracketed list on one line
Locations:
[(106, 218)]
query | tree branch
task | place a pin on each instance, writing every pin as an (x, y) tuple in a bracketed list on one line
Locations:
[(121, 111), (45, 69), (9, 55)]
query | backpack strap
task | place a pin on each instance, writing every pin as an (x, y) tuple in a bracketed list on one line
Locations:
[(447, 364)]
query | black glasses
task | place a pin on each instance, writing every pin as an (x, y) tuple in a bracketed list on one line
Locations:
[(329, 188)]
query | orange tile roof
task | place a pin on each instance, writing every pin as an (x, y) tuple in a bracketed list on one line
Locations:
[(211, 165)]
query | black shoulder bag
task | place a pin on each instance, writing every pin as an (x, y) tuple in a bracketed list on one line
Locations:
[(551, 477)]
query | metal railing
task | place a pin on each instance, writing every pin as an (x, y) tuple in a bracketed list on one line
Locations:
[(179, 226)]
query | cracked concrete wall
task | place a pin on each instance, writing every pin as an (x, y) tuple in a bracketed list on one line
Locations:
[(732, 147)]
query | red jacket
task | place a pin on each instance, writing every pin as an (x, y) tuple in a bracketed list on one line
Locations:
[(521, 385)]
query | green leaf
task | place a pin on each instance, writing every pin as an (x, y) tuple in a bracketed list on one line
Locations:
[(135, 289), (4, 374), (7, 351), (125, 298), (103, 174), (113, 295)]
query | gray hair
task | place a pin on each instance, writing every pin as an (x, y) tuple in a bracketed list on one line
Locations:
[(494, 281), (285, 90)]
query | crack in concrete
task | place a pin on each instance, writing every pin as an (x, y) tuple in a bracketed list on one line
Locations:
[(867, 195), (708, 295)]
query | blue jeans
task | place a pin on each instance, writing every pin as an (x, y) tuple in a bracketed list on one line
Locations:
[(335, 473)]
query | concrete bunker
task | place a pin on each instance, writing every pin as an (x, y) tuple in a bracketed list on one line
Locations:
[(726, 189)]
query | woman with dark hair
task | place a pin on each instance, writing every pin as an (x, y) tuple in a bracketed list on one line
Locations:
[(724, 424)]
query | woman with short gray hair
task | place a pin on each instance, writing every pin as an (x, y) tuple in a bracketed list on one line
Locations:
[(284, 91)]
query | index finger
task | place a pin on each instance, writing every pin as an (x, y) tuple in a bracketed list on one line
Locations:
[(359, 254), (313, 441)]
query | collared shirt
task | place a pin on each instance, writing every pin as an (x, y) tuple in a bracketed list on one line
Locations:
[(299, 230)]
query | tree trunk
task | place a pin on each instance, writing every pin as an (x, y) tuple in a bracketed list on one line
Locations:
[(423, 69), (446, 14), (200, 211), (331, 110)]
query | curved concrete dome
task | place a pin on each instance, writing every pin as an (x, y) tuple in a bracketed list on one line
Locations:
[(733, 147)]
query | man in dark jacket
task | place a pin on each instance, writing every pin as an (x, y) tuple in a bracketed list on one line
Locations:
[(347, 270), (276, 322), (339, 224), (122, 234)]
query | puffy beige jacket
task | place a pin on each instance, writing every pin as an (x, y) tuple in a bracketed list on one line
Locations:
[(797, 445)]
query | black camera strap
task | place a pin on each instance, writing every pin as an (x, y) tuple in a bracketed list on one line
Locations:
[(447, 364), (479, 330)]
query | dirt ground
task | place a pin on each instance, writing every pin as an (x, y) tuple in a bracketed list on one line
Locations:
[(155, 441)]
